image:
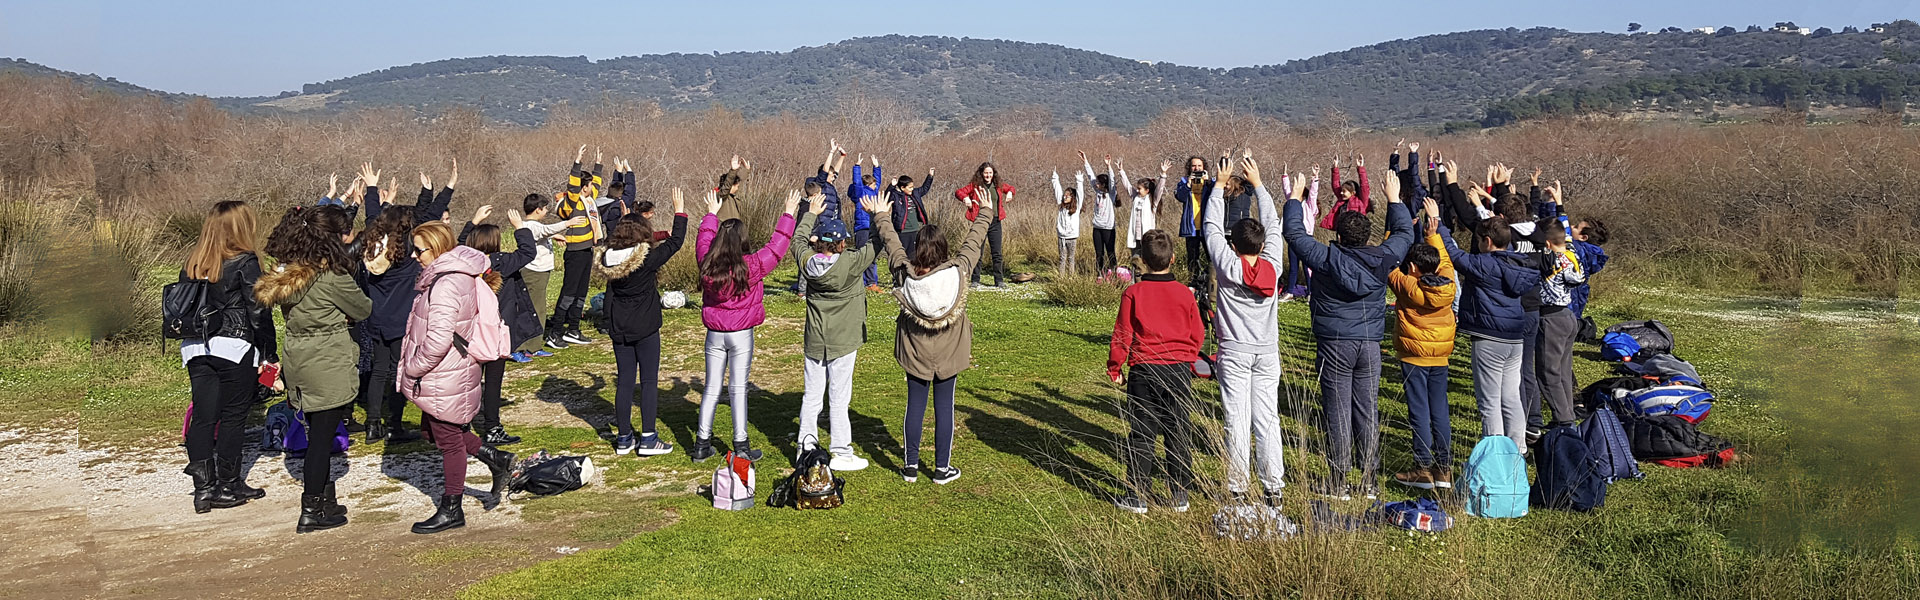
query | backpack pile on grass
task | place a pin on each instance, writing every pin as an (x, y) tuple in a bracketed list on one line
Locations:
[(1658, 399)]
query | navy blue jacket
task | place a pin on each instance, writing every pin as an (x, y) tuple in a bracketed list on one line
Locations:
[(1491, 288), (832, 211), (1349, 284)]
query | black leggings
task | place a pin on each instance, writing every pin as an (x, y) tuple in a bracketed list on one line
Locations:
[(999, 260), (942, 419), (491, 374), (1103, 257), (384, 401), (222, 393), (317, 469), (646, 355), (574, 278)]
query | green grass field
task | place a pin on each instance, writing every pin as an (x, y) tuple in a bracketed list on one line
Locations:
[(1820, 507)]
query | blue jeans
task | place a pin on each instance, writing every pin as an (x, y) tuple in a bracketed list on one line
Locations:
[(1427, 408), (872, 275)]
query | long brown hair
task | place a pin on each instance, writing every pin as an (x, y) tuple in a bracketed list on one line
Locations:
[(980, 177), (485, 237), (226, 233), (394, 224), (724, 274), (632, 230)]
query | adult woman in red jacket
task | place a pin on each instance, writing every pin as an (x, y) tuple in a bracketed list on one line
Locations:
[(987, 188)]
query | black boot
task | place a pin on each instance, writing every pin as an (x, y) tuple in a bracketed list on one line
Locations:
[(333, 502), (499, 464), (397, 432), (446, 516), (207, 493), (230, 478), (702, 450), (316, 513), (744, 449), (376, 430)]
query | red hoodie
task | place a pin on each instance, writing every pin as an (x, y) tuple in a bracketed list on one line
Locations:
[(1159, 324)]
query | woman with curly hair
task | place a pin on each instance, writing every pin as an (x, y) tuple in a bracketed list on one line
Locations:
[(315, 292)]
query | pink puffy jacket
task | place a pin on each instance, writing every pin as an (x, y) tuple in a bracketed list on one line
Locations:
[(745, 309), (437, 378)]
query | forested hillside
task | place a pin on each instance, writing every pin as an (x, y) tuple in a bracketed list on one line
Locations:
[(963, 83)]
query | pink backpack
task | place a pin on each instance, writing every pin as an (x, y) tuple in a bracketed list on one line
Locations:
[(733, 483), (486, 338)]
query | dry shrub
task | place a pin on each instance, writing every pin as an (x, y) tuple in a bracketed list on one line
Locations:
[(1776, 207), (1080, 291)]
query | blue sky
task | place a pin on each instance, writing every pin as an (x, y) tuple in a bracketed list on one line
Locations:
[(261, 48)]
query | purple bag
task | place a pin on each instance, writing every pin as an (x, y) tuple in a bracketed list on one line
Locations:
[(295, 443)]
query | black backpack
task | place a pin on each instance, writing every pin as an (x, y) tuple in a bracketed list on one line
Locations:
[(185, 312), (1567, 475), (1667, 437), (1653, 336)]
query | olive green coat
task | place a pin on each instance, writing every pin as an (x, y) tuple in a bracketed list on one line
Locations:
[(319, 356)]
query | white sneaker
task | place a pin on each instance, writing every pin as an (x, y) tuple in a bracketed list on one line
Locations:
[(847, 462)]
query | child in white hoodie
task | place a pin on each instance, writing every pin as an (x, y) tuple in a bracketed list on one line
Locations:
[(1067, 224)]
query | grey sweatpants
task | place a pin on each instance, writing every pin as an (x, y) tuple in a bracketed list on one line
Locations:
[(1496, 389), (1067, 248), (1250, 397), (729, 354), (1349, 392), (1553, 362), (833, 380)]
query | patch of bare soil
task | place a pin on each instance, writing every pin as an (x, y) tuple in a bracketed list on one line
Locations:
[(117, 523)]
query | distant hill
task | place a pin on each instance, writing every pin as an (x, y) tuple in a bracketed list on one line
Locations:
[(955, 81)]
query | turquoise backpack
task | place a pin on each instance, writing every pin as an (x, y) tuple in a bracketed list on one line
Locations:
[(1496, 479)]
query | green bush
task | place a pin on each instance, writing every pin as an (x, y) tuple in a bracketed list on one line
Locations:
[(1082, 292)]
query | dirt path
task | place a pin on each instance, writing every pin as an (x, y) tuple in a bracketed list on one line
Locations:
[(100, 523)]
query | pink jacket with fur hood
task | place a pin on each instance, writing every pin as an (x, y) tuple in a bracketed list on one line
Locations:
[(440, 380)]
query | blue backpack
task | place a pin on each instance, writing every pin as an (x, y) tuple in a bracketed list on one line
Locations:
[(1496, 479), (1567, 477), (1618, 346), (1689, 402), (1608, 445), (273, 437)]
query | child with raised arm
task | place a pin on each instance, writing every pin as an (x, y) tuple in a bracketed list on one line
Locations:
[(1248, 368), (1157, 336), (1106, 207), (988, 190), (1067, 222), (819, 189), (1145, 200), (933, 338), (731, 306), (1348, 196), (909, 208), (1553, 358), (1423, 291), (836, 328), (631, 266), (1297, 276), (862, 187), (563, 328), (1492, 285), (1349, 317)]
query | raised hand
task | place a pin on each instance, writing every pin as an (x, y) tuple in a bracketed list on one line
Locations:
[(876, 206), (577, 156), (819, 205), (713, 203), (1253, 170), (679, 202), (876, 160), (1336, 163), (596, 155), (1083, 155), (735, 165), (1316, 170), (333, 185), (793, 201), (1398, 145), (1299, 186), (514, 218), (1413, 147), (1393, 188), (1433, 216), (1246, 153), (1535, 179), (1554, 192), (481, 214), (1453, 172), (1360, 161), (1164, 165), (425, 181), (355, 191), (368, 176), (453, 177)]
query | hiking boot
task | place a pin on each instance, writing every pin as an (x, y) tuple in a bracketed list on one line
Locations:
[(1419, 477), (573, 336), (1442, 477), (1131, 503), (498, 436), (446, 515), (744, 449), (554, 341), (230, 478), (499, 464), (622, 444), (355, 426), (702, 450), (946, 475), (650, 445), (316, 515), (846, 462), (1178, 499), (910, 473), (207, 492)]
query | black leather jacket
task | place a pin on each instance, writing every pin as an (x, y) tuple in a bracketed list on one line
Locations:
[(238, 315)]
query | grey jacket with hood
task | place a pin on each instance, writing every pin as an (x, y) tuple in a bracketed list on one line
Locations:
[(1245, 322)]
